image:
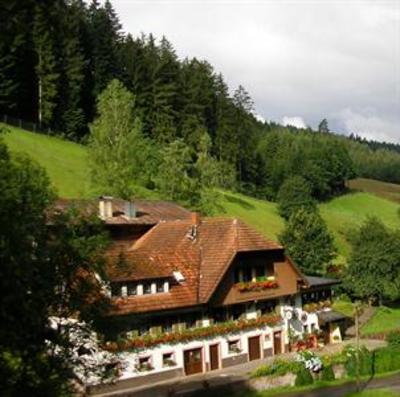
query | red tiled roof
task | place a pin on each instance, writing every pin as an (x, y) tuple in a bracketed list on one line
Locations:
[(202, 260)]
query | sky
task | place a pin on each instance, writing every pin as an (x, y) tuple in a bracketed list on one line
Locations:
[(300, 60)]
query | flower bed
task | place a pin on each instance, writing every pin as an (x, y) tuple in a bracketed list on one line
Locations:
[(192, 334), (256, 285)]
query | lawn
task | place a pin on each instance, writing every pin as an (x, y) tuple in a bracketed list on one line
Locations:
[(67, 165), (385, 319), (344, 307)]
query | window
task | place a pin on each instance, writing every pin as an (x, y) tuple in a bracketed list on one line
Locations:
[(160, 287), (266, 307), (144, 364), (267, 337), (313, 327), (247, 276), (168, 360), (191, 321), (167, 327), (270, 270), (143, 330), (115, 290), (260, 272), (238, 275), (132, 289), (234, 346), (147, 288)]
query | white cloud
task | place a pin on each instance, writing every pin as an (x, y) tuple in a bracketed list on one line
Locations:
[(368, 124), (294, 121), (307, 57)]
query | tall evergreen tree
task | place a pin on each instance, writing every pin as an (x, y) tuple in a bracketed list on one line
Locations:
[(105, 37), (293, 195), (72, 117), (308, 242), (47, 67)]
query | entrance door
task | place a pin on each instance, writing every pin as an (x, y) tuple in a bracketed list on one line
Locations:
[(278, 342), (193, 361), (254, 348), (214, 357)]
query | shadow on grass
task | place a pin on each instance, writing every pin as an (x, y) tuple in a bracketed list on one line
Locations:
[(236, 200)]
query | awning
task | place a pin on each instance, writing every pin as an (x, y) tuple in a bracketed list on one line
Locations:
[(330, 316)]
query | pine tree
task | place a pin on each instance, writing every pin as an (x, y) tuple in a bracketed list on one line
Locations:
[(243, 129), (47, 68), (294, 194), (308, 242), (74, 67), (105, 38), (323, 127), (16, 59)]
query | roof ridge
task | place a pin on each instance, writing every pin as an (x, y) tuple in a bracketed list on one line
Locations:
[(139, 242)]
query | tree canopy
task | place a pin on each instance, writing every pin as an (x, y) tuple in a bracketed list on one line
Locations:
[(308, 242), (45, 270), (294, 194), (374, 267)]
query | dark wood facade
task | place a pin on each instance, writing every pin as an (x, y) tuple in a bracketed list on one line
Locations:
[(285, 275)]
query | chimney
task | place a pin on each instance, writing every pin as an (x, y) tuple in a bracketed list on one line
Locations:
[(130, 210), (105, 207), (195, 218)]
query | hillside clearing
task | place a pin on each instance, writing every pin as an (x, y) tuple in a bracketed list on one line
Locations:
[(66, 164), (386, 190)]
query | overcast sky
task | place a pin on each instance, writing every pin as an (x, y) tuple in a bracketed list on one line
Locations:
[(301, 61)]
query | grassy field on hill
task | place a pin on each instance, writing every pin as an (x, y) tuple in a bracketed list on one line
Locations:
[(386, 190), (64, 161), (66, 164)]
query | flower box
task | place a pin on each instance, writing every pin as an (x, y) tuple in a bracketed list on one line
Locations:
[(256, 285), (187, 335)]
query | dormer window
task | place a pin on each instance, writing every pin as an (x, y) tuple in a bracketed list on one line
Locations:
[(147, 288), (132, 289), (139, 288)]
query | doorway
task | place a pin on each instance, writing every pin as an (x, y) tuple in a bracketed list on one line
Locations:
[(193, 361), (254, 348)]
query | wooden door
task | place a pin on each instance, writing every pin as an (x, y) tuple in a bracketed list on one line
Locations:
[(254, 348), (214, 357), (278, 342), (193, 361)]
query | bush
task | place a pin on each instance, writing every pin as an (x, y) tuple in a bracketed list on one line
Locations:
[(386, 359), (303, 377), (393, 339), (366, 362), (278, 368), (327, 373)]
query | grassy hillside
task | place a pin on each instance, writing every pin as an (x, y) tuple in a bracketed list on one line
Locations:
[(66, 163), (386, 190)]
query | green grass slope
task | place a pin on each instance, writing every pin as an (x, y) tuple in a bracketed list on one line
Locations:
[(390, 191), (66, 164)]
